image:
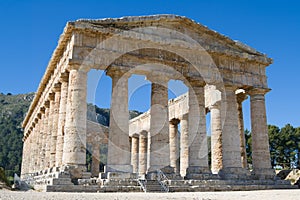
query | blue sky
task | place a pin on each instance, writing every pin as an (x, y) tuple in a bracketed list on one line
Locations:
[(30, 31)]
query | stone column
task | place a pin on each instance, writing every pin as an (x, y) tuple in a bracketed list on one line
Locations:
[(57, 90), (198, 151), (232, 164), (143, 147), (46, 138), (31, 152), (216, 138), (95, 159), (118, 156), (49, 157), (174, 149), (184, 145), (240, 98), (159, 124), (135, 152), (61, 118), (42, 136), (260, 140), (36, 143), (74, 150), (25, 156)]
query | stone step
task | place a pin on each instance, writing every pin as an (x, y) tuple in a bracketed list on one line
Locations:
[(154, 186)]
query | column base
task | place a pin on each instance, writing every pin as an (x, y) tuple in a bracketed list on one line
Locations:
[(237, 173), (198, 173), (76, 171), (167, 170), (118, 168), (263, 174)]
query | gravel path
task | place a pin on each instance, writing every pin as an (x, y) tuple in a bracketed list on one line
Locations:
[(238, 195)]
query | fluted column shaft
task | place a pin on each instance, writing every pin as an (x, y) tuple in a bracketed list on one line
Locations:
[(184, 145), (62, 119), (118, 156), (45, 151), (74, 150), (159, 125), (260, 141), (95, 159), (135, 153), (198, 151), (49, 157), (55, 124), (216, 138), (143, 149), (174, 148), (231, 134), (240, 98)]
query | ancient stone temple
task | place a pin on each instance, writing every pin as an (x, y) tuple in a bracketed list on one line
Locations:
[(147, 153)]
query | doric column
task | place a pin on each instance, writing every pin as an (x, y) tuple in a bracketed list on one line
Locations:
[(74, 150), (41, 142), (216, 138), (95, 159), (198, 151), (57, 90), (46, 138), (260, 140), (118, 156), (62, 118), (38, 140), (231, 134), (31, 151), (50, 130), (184, 144), (24, 167), (174, 148), (240, 98), (135, 152), (159, 124), (143, 144)]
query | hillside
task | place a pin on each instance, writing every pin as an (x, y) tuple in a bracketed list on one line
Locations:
[(13, 109)]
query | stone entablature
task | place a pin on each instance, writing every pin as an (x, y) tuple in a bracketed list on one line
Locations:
[(161, 47)]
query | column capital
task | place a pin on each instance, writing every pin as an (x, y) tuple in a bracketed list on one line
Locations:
[(135, 135), (174, 121), (258, 91), (216, 105), (194, 82), (158, 79), (78, 67), (144, 134), (51, 96), (47, 104), (242, 96), (64, 77), (56, 87), (117, 73)]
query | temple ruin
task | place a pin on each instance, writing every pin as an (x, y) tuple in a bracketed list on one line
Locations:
[(146, 153)]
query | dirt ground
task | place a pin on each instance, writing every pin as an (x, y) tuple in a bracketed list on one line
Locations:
[(238, 195)]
